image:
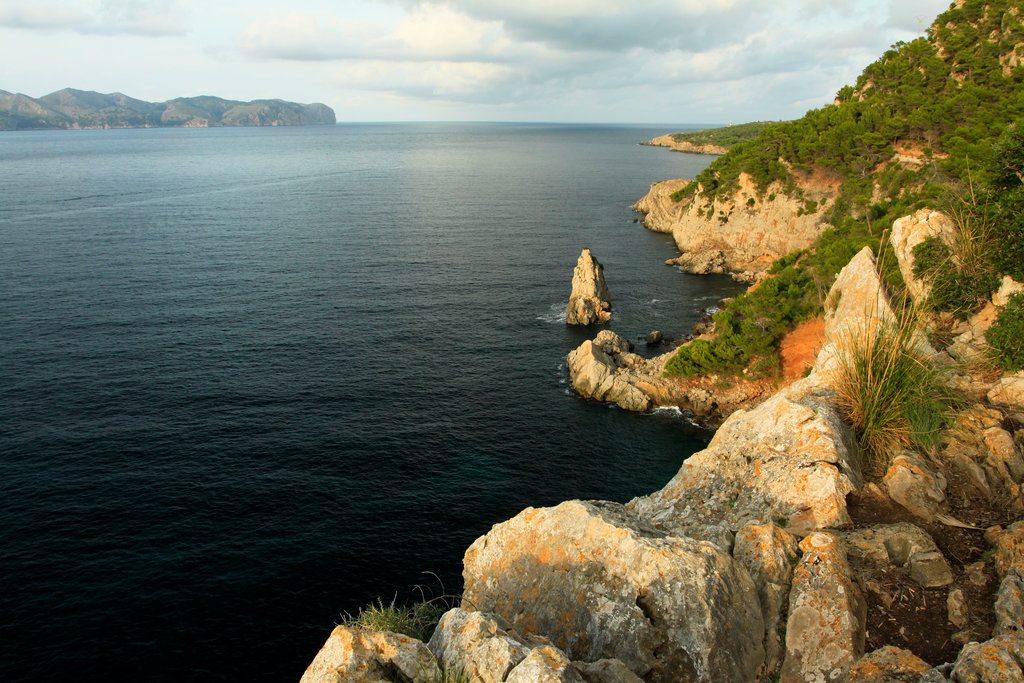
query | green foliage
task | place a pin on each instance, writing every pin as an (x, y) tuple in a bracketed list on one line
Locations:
[(1005, 202), (726, 136), (956, 287), (417, 621), (893, 397), (1006, 336)]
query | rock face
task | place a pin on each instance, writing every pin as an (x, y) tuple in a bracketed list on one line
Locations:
[(603, 583), (685, 146), (750, 235), (590, 301), (910, 231)]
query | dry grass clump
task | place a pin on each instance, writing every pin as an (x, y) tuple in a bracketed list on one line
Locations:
[(417, 621), (891, 394)]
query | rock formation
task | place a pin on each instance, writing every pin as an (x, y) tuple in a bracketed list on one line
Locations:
[(685, 146), (750, 229), (590, 301)]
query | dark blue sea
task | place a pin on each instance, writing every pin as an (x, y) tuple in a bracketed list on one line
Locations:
[(252, 379)]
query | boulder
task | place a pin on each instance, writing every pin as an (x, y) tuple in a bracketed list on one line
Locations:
[(900, 545), (1007, 288), (545, 664), (888, 665), (827, 613), (1009, 548), (910, 231), (601, 582), (606, 671), (701, 262), (916, 485), (999, 660), (354, 655), (1008, 391), (476, 644), (594, 373), (589, 301), (1010, 605), (654, 338)]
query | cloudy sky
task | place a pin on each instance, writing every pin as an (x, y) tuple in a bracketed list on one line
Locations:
[(664, 61)]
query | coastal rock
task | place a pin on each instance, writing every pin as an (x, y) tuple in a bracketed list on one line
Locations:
[(654, 338), (751, 239), (1009, 548), (790, 459), (606, 671), (685, 146), (999, 660), (594, 373), (768, 553), (825, 631), (1010, 605), (354, 655), (601, 582), (910, 231), (701, 263), (545, 664), (916, 485), (590, 301), (477, 644), (888, 665)]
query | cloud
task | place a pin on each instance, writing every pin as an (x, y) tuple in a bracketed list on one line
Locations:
[(153, 18)]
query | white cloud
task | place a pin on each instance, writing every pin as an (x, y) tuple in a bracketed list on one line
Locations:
[(153, 18)]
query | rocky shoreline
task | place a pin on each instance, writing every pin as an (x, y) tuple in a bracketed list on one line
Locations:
[(670, 142)]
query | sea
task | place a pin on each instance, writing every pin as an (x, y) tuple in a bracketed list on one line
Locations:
[(252, 379)]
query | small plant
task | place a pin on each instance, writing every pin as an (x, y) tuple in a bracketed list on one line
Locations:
[(891, 395), (1006, 336), (417, 621)]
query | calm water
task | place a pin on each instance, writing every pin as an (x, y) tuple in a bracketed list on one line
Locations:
[(251, 379)]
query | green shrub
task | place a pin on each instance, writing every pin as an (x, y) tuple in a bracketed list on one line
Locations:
[(891, 395), (1006, 336), (956, 288)]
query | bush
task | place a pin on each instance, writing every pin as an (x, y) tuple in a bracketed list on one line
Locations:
[(890, 394), (1006, 336), (957, 287)]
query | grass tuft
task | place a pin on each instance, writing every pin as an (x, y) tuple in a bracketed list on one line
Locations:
[(417, 621), (891, 394)]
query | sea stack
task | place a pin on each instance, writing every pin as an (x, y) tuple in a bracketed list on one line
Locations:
[(590, 301)]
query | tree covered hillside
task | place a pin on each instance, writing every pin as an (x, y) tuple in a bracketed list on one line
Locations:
[(931, 123)]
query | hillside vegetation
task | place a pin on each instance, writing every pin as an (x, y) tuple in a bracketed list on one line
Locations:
[(928, 124), (726, 136)]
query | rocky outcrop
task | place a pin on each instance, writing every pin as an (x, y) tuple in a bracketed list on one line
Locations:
[(888, 665), (602, 582), (685, 146), (590, 301), (751, 228), (910, 231), (354, 655)]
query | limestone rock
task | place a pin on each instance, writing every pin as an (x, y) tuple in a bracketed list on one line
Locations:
[(595, 374), (1010, 605), (888, 665), (1008, 391), (900, 545), (999, 660), (916, 485), (477, 644), (600, 582), (910, 231), (701, 262), (827, 613), (769, 553), (545, 664), (1009, 547), (956, 608), (606, 671), (611, 343), (354, 655), (654, 338), (590, 301), (790, 460), (750, 238), (1003, 455), (1007, 288)]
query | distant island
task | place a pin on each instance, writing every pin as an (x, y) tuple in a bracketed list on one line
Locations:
[(76, 109)]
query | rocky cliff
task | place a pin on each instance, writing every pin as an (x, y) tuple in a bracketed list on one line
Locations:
[(743, 233), (686, 146), (767, 557), (69, 108)]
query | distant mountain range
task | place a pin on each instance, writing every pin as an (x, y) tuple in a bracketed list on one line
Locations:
[(69, 108)]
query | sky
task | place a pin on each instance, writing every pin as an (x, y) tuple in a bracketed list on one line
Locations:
[(622, 61)]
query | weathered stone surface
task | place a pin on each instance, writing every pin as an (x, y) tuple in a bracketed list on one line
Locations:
[(354, 655), (590, 301), (888, 665), (910, 231), (476, 644), (611, 343), (1008, 391), (956, 608), (900, 545), (999, 660), (606, 671), (654, 337), (751, 237), (1009, 547), (594, 373), (789, 460), (1010, 605), (1007, 288), (917, 485), (769, 554), (825, 631), (545, 664), (1003, 455), (603, 583), (685, 146), (701, 262)]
